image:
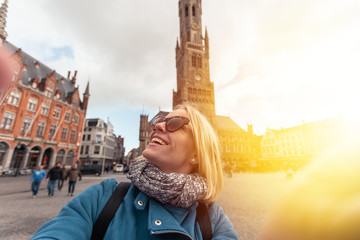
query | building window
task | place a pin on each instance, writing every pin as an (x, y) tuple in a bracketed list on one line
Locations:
[(67, 116), (14, 98), (75, 103), (40, 129), (193, 60), (26, 124), (45, 109), (199, 62), (56, 114), (75, 119), (89, 137), (32, 104), (49, 92), (193, 11), (83, 137), (87, 149), (7, 120), (81, 149), (186, 11), (97, 150), (73, 136), (98, 138), (64, 134), (52, 131)]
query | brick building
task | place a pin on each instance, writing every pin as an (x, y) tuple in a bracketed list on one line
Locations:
[(240, 148), (42, 116)]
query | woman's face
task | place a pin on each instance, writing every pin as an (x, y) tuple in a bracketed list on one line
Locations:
[(174, 150)]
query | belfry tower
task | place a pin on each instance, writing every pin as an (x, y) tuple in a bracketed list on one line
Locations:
[(3, 14), (192, 62)]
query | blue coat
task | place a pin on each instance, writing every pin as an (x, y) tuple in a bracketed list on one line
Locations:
[(138, 217)]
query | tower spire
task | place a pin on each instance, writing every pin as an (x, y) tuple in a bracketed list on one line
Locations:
[(3, 15)]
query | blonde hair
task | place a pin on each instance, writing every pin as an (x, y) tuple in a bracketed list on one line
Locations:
[(207, 152)]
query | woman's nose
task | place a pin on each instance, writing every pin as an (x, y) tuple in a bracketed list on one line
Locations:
[(160, 127)]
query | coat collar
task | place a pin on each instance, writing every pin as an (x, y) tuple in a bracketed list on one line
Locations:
[(164, 218)]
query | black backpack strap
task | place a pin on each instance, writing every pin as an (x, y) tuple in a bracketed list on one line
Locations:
[(107, 214), (203, 218)]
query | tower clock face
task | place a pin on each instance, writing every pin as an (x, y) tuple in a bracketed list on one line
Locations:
[(198, 77), (194, 26)]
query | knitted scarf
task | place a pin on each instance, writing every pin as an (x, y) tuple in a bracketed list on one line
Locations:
[(177, 189)]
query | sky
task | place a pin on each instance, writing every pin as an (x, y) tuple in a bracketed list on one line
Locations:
[(274, 63)]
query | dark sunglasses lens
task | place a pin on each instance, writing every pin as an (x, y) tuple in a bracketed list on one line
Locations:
[(157, 120), (174, 124)]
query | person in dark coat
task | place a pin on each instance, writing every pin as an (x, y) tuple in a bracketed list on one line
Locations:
[(61, 181), (53, 177), (73, 174)]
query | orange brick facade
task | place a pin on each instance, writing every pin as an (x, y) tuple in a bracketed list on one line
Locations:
[(41, 118)]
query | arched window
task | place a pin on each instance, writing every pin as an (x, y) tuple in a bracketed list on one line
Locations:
[(3, 150), (186, 11), (60, 156), (70, 158), (193, 11)]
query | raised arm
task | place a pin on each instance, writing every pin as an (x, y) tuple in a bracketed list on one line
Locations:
[(76, 219), (221, 225)]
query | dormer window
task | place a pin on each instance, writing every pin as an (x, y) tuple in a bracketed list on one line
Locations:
[(58, 94), (75, 103), (49, 92), (35, 83)]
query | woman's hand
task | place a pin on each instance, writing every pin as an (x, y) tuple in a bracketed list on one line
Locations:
[(6, 71)]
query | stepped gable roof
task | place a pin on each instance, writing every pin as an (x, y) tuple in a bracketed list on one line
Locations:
[(226, 123), (41, 72)]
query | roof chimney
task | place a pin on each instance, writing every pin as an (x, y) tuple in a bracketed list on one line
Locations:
[(73, 80), (69, 72)]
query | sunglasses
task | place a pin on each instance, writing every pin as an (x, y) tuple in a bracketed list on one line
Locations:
[(172, 124)]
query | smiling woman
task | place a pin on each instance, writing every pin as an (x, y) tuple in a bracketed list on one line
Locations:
[(172, 195)]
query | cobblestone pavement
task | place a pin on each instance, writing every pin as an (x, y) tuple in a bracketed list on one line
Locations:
[(246, 199)]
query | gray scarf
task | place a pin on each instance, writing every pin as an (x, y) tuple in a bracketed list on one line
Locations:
[(177, 189)]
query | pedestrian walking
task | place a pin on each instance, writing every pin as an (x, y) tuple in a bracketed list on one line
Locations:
[(73, 174), (53, 177), (61, 181), (35, 180)]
